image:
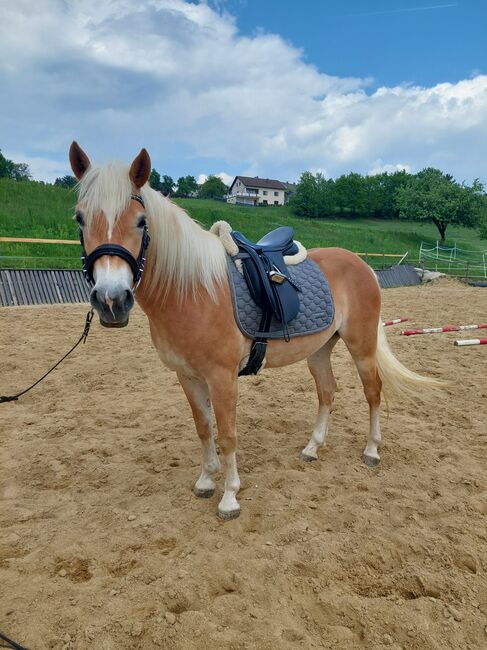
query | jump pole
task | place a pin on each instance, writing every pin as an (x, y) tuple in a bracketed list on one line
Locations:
[(394, 321), (447, 328), (471, 342)]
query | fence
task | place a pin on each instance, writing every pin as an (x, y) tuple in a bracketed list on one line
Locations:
[(38, 256), (454, 261), (376, 260)]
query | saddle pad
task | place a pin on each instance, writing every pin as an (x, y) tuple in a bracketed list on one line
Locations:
[(316, 307)]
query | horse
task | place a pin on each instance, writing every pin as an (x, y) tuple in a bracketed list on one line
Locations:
[(184, 291)]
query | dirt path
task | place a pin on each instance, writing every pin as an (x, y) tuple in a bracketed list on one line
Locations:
[(103, 545)]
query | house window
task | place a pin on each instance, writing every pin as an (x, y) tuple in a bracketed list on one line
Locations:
[(264, 202), (264, 192), (276, 193), (276, 202)]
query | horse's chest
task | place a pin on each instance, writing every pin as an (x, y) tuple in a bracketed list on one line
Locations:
[(173, 359)]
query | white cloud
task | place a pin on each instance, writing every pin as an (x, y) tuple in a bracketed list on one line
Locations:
[(226, 178), (178, 78), (379, 167)]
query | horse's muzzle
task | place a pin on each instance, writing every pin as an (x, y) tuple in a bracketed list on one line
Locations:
[(113, 306)]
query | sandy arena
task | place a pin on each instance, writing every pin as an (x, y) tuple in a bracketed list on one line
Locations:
[(103, 545)]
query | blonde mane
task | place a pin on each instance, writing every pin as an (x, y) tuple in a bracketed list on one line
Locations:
[(181, 254)]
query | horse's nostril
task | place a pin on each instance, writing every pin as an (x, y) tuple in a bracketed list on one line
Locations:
[(95, 298), (129, 299)]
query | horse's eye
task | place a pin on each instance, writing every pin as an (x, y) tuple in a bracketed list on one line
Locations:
[(142, 223), (79, 218)]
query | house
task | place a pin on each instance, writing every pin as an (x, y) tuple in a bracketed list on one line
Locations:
[(248, 190)]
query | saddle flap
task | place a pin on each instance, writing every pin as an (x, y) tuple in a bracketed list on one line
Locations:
[(281, 297)]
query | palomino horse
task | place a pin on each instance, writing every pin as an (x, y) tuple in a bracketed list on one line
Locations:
[(185, 294)]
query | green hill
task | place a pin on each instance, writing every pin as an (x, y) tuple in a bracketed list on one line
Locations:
[(31, 209)]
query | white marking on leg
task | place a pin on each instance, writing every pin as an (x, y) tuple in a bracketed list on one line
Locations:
[(198, 391), (229, 503), (374, 433), (318, 437)]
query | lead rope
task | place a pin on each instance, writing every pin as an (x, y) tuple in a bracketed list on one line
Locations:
[(83, 337), (11, 644)]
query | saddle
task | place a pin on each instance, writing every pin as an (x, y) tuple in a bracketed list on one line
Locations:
[(270, 284)]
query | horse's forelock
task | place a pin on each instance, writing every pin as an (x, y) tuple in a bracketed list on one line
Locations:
[(105, 189)]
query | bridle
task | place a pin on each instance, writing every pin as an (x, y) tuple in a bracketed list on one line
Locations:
[(136, 265)]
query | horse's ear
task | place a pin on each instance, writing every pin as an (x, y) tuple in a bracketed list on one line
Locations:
[(140, 169), (78, 159)]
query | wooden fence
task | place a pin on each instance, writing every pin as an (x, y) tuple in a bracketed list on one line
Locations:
[(57, 286)]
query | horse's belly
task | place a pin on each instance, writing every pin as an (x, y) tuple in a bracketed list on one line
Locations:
[(282, 353)]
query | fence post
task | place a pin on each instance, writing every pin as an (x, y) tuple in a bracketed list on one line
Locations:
[(466, 271)]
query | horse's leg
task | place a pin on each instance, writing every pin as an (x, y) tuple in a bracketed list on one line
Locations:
[(224, 391), (364, 356), (199, 399), (319, 365)]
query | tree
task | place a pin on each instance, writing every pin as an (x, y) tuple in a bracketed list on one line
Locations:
[(66, 181), (21, 172), (434, 196), (5, 166), (187, 186), (14, 171), (305, 202), (350, 193), (166, 186), (213, 188), (155, 180)]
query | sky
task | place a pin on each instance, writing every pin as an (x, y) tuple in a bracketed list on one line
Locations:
[(253, 87)]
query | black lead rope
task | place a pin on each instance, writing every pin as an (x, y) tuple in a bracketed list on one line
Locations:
[(11, 644), (83, 337)]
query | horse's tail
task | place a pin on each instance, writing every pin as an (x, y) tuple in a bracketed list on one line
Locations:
[(396, 378)]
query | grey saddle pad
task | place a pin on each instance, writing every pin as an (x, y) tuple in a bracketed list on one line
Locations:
[(316, 309)]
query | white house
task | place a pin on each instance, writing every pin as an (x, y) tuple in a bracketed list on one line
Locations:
[(248, 190)]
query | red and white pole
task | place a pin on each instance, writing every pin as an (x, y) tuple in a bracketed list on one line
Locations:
[(447, 328), (395, 321), (471, 342)]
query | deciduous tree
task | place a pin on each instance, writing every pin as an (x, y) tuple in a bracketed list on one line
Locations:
[(187, 186), (434, 196), (213, 188)]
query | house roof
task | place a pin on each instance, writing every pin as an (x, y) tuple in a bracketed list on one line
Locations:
[(255, 181)]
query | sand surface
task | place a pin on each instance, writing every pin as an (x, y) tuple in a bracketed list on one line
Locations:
[(103, 546)]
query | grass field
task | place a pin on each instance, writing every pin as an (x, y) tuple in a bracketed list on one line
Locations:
[(44, 211)]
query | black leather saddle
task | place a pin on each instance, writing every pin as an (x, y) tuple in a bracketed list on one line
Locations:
[(270, 284)]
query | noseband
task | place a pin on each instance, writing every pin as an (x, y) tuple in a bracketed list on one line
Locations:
[(136, 265)]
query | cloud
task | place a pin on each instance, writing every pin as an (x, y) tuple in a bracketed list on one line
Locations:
[(178, 78), (379, 167), (226, 178)]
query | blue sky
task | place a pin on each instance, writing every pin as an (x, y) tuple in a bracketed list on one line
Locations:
[(393, 41), (247, 87)]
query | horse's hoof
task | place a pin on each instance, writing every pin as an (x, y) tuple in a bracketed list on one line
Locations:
[(227, 516), (204, 494), (306, 458), (370, 461)]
